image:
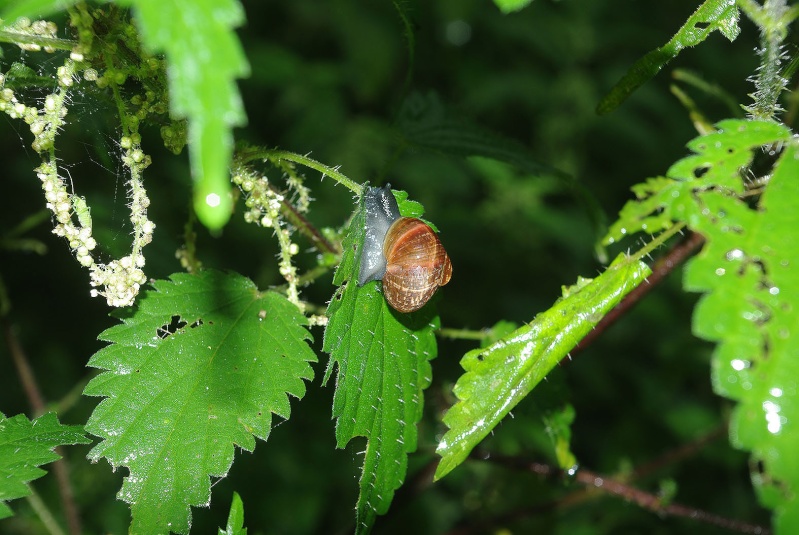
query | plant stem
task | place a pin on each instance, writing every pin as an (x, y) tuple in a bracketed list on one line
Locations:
[(19, 38), (44, 513), (665, 265), (597, 483), (276, 155), (464, 334)]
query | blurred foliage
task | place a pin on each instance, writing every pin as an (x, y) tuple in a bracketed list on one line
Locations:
[(330, 79)]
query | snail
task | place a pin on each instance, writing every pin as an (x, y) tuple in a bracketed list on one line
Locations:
[(403, 252)]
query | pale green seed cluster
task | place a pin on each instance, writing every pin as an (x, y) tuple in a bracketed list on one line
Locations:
[(263, 208), (120, 280), (39, 28)]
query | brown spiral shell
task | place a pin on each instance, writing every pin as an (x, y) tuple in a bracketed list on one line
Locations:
[(416, 264)]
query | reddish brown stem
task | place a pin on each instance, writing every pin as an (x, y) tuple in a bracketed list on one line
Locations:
[(662, 267), (36, 400), (593, 483)]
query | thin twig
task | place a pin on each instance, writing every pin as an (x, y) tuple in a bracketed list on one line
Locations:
[(597, 483)]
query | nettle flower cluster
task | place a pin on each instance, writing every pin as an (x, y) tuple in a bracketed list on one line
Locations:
[(118, 281), (263, 207)]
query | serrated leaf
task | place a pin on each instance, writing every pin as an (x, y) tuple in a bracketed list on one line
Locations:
[(199, 367), (12, 10), (664, 200), (205, 58), (383, 365), (746, 271), (235, 520), (501, 375), (750, 310), (712, 15), (24, 446)]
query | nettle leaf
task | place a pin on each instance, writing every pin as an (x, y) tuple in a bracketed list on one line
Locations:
[(24, 446), (383, 365), (752, 291), (501, 375), (200, 366), (747, 272), (205, 58), (712, 15), (663, 200)]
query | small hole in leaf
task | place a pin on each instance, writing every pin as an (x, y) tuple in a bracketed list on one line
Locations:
[(481, 357), (701, 25), (172, 327), (699, 172)]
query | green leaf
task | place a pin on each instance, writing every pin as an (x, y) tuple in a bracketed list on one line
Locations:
[(746, 271), (199, 367), (383, 367), (750, 310), (509, 6), (712, 15), (558, 427), (661, 201), (235, 520), (205, 58), (500, 376), (24, 446), (12, 10)]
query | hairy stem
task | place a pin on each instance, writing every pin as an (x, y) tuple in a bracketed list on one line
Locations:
[(276, 155)]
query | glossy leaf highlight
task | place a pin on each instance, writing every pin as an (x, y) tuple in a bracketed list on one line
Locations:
[(501, 375), (199, 367)]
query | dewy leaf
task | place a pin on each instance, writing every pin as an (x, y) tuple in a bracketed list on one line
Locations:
[(747, 272), (752, 288), (499, 376), (199, 367), (383, 365), (24, 446), (235, 520), (205, 58), (712, 15), (662, 201)]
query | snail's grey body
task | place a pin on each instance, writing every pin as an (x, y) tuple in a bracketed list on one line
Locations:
[(381, 211)]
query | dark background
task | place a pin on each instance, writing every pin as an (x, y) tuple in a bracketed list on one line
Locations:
[(328, 78)]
